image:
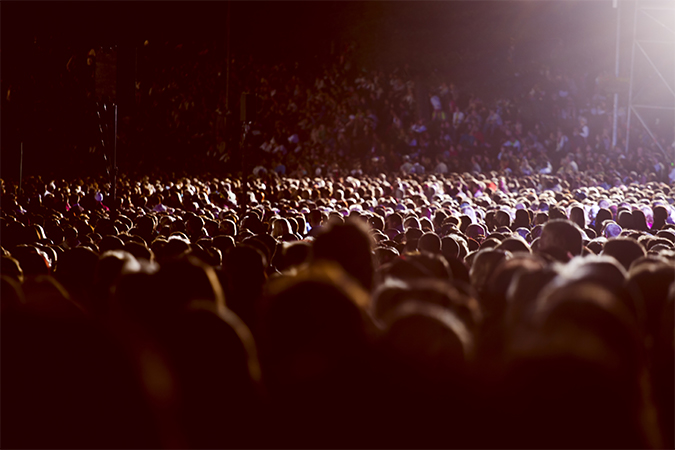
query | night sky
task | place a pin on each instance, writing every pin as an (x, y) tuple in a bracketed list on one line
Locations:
[(420, 32)]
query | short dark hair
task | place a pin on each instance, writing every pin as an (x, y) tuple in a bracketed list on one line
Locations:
[(561, 238)]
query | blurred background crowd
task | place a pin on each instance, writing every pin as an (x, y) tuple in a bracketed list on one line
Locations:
[(501, 101), (332, 116), (442, 249)]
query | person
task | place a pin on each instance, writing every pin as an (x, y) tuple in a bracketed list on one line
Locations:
[(407, 167), (344, 301), (441, 168), (205, 272), (584, 132), (560, 239)]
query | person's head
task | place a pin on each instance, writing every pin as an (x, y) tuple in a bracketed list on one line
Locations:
[(316, 218), (439, 216), (493, 297), (313, 332), (475, 231), (223, 243), (411, 222), (45, 295), (560, 239), (349, 245), (302, 224), (624, 250), (110, 243), (139, 250), (556, 213), (449, 247), (385, 255), (653, 279), (428, 342), (602, 215), (412, 237), (522, 219), (484, 263), (583, 355), (660, 217), (502, 219), (625, 220), (426, 224), (540, 219), (429, 242), (176, 246), (416, 266), (394, 221), (183, 279), (522, 293), (32, 260), (243, 277), (295, 255), (578, 216), (280, 227), (376, 222), (228, 227), (514, 244)]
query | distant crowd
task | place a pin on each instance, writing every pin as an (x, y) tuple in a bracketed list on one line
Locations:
[(352, 122), (330, 116), (395, 263)]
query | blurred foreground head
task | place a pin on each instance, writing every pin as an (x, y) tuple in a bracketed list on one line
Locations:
[(349, 245), (578, 377)]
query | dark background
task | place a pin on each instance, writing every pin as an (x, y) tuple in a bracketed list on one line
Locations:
[(465, 42)]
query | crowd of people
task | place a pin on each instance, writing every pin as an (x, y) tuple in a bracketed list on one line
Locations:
[(330, 115), (333, 117), (405, 310), (397, 264)]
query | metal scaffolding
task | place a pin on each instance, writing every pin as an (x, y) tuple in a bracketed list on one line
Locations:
[(651, 95)]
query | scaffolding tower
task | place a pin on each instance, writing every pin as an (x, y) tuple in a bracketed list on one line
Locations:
[(651, 95)]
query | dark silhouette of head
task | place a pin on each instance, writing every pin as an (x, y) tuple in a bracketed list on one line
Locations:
[(349, 245), (624, 250), (560, 239)]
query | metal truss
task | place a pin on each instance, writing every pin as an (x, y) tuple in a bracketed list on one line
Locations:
[(651, 95)]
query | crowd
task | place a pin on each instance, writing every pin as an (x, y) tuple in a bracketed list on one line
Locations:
[(421, 311), (329, 115), (332, 117), (400, 264)]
